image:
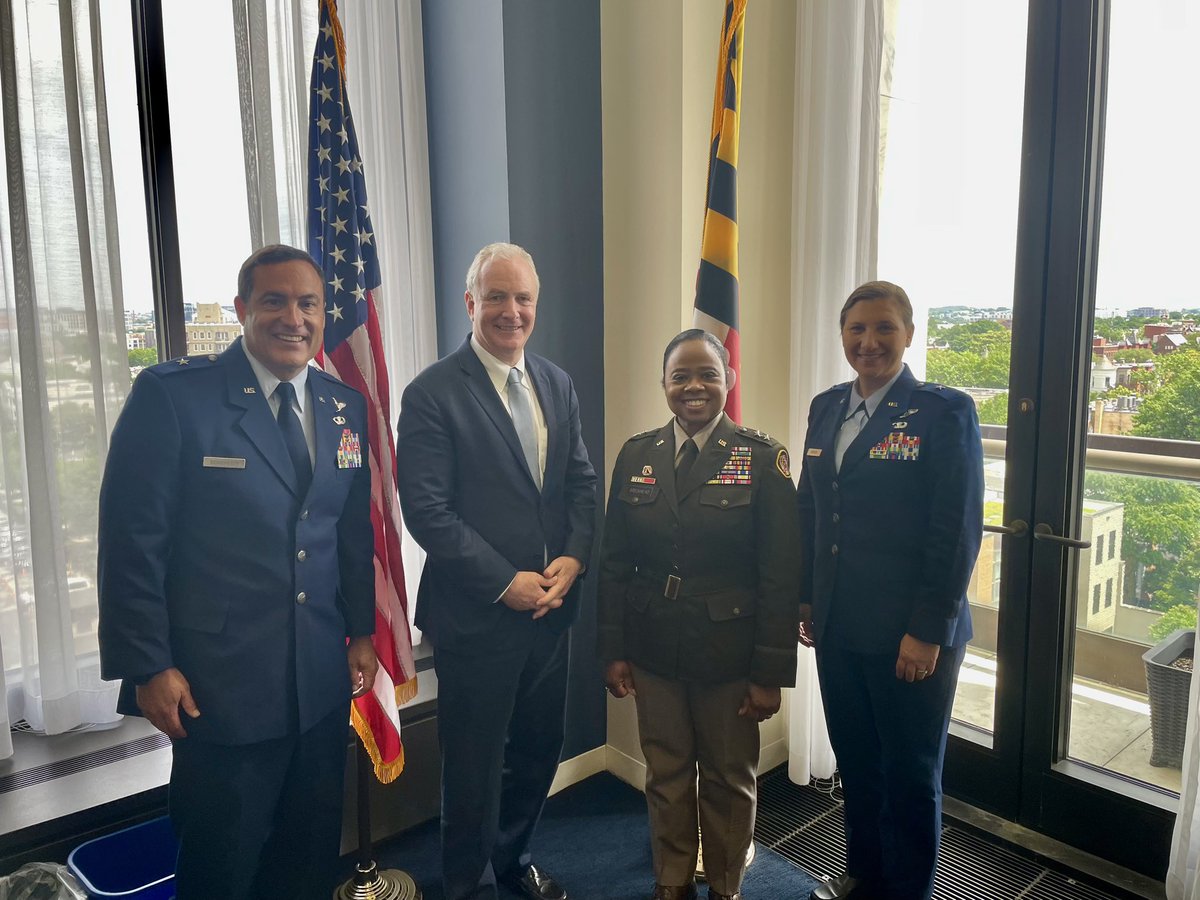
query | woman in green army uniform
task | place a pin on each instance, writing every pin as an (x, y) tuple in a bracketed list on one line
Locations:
[(699, 579)]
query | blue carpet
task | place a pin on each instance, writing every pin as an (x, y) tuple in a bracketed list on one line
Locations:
[(594, 838)]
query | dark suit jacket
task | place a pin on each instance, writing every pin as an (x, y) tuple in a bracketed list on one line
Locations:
[(199, 564), (732, 545), (889, 543), (469, 500)]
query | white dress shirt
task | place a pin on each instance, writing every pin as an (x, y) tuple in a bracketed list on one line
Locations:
[(497, 371), (302, 408)]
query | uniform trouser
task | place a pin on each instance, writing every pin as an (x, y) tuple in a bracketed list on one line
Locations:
[(889, 737), (262, 819), (500, 724), (691, 732)]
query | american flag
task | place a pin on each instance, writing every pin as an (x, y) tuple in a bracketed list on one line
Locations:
[(341, 240), (717, 301)]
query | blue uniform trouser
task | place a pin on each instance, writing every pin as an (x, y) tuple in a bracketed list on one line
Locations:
[(889, 737)]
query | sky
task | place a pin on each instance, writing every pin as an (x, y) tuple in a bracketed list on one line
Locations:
[(949, 196)]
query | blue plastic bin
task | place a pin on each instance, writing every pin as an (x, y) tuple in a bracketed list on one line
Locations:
[(135, 863)]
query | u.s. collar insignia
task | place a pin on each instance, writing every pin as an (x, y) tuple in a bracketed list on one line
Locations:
[(246, 390), (339, 420), (893, 403), (319, 397), (647, 470), (722, 442), (659, 442)]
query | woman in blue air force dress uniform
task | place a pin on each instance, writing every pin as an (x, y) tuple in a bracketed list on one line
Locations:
[(891, 515), (697, 613)]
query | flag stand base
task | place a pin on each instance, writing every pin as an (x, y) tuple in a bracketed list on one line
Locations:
[(369, 883)]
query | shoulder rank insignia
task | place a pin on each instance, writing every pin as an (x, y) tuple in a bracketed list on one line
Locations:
[(783, 463), (754, 433), (183, 360)]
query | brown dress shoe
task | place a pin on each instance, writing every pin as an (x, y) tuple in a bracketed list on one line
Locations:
[(667, 892)]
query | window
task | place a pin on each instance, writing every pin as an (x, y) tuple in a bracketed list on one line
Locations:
[(1095, 599), (1112, 543), (1099, 549), (1108, 593)]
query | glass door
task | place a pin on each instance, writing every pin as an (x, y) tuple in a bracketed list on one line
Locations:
[(1072, 325)]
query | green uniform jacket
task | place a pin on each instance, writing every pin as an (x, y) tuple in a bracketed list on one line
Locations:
[(700, 581)]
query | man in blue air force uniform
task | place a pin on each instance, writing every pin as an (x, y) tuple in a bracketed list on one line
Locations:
[(237, 587), (496, 486)]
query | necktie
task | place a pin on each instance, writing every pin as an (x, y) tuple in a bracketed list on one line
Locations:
[(687, 456), (851, 426), (521, 408), (293, 436)]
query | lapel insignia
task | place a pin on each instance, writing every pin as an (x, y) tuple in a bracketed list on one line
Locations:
[(339, 420), (249, 390), (339, 404), (736, 469), (898, 445), (647, 470), (901, 424), (783, 463), (322, 399), (911, 411), (349, 455), (659, 442), (813, 451), (723, 442)]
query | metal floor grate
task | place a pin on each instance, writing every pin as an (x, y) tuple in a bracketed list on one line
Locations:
[(804, 825), (49, 771)]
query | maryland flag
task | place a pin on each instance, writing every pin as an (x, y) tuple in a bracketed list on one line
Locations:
[(717, 281), (342, 242)]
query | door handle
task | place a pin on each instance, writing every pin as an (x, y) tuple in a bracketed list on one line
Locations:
[(1043, 532), (1017, 527)]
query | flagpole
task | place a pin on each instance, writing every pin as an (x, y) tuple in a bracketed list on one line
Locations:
[(369, 883)]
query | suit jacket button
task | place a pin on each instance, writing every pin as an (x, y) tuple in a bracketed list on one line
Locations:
[(835, 486), (301, 597), (834, 550), (302, 556), (634, 499), (737, 611), (836, 518), (724, 502)]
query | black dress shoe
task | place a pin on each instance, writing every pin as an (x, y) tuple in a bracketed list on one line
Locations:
[(713, 895), (667, 892), (534, 884), (844, 887)]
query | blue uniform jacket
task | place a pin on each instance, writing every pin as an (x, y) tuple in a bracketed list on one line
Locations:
[(889, 543), (210, 561), (469, 500)]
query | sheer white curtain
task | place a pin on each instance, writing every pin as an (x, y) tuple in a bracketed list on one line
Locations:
[(63, 365), (839, 48), (385, 73)]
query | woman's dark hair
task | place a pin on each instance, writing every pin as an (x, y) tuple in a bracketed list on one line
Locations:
[(696, 334), (879, 290)]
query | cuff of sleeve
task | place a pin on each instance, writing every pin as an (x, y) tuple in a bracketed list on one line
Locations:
[(773, 667)]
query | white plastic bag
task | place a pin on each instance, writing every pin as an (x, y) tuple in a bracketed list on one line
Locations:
[(41, 881)]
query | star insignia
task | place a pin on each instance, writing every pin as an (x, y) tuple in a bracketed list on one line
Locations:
[(183, 360)]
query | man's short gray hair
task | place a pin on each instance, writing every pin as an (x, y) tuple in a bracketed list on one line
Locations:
[(499, 251)]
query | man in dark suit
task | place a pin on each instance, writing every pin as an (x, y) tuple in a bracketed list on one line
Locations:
[(496, 486), (237, 585), (891, 515)]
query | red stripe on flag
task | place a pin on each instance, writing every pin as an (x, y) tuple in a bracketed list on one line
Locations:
[(733, 400)]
